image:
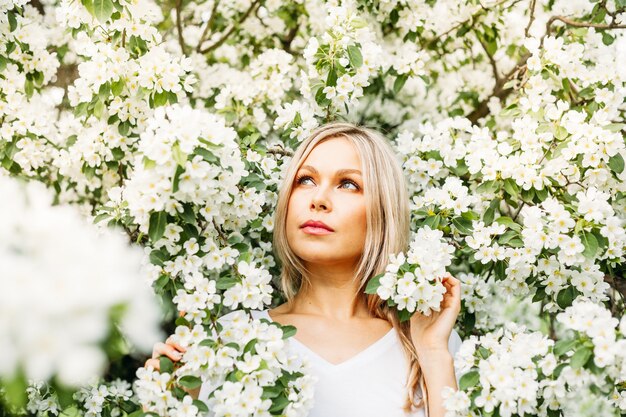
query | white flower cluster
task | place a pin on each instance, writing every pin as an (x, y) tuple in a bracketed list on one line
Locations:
[(42, 402), (452, 196), (105, 399), (253, 292), (94, 400), (486, 307), (297, 118), (517, 372), (502, 367), (252, 95), (413, 282), (597, 322), (207, 177), (65, 279), (237, 375), (341, 63)]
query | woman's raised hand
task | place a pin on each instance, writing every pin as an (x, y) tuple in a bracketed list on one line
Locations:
[(170, 349), (432, 332)]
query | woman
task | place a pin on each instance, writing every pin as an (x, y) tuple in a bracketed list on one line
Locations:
[(342, 209)]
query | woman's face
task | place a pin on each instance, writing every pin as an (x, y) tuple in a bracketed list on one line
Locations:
[(322, 192)]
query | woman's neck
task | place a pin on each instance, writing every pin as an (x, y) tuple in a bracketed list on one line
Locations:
[(333, 294)]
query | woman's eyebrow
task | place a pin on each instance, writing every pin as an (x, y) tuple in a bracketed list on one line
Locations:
[(338, 173)]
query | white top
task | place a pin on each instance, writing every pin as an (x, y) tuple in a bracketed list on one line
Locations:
[(370, 384)]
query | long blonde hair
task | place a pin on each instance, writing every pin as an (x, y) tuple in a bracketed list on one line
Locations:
[(388, 228)]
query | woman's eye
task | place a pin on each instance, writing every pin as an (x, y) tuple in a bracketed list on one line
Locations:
[(302, 178), (356, 187)]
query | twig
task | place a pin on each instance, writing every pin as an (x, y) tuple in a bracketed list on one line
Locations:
[(476, 14), (208, 25), (494, 68), (532, 17), (220, 41), (574, 23), (286, 42), (280, 151), (179, 26), (498, 91)]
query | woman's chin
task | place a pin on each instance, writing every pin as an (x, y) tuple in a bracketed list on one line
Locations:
[(327, 257)]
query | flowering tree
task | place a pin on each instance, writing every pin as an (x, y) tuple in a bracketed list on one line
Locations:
[(173, 121)]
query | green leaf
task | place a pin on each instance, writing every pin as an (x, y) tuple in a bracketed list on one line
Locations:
[(206, 154), (12, 21), (373, 284), (560, 132), (491, 186), (320, 98), (102, 9), (511, 187), (469, 380), (160, 99), (98, 109), (288, 331), (580, 357), (607, 38), (541, 194), (509, 222), (188, 214), (117, 87), (278, 404), (160, 283), (399, 83), (202, 407), (190, 381), (404, 315), (166, 364), (432, 221), (565, 297), (354, 54), (464, 226), (179, 156), (590, 243), (563, 346), (224, 283), (148, 163), (158, 257), (101, 217), (507, 237), (616, 163), (488, 216), (88, 5), (29, 88), (331, 79), (158, 220)]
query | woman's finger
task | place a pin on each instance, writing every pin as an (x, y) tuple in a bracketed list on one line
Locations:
[(170, 341), (155, 363), (167, 350)]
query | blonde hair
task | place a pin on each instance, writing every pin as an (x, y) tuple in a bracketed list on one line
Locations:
[(388, 228)]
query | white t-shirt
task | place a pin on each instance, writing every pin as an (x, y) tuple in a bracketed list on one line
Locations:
[(370, 384)]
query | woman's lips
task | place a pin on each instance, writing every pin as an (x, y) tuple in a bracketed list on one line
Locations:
[(316, 230)]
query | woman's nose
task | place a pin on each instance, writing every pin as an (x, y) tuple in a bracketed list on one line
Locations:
[(320, 199)]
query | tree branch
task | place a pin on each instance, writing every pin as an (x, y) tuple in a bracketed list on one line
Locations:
[(223, 39), (574, 23), (209, 24), (492, 61), (532, 17), (179, 27), (498, 91)]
